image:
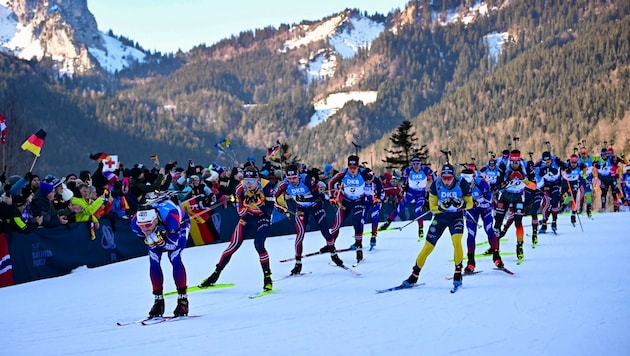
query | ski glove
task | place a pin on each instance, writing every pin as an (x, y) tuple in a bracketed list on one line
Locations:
[(154, 239), (458, 203), (252, 199), (445, 204)]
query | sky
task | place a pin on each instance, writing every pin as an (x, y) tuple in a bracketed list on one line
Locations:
[(568, 297), (167, 25)]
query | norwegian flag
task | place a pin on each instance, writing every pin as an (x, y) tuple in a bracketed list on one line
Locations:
[(6, 267), (3, 129)]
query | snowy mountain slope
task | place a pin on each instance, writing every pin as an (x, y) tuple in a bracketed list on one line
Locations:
[(346, 33), (568, 297), (64, 32)]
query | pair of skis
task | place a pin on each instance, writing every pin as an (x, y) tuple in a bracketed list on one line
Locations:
[(453, 290), (157, 320)]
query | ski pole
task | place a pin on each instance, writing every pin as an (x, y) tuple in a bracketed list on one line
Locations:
[(211, 207), (472, 218), (414, 220), (573, 202), (284, 210), (314, 254)]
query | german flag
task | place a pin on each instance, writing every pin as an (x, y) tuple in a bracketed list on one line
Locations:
[(98, 156), (202, 229), (154, 157), (35, 142)]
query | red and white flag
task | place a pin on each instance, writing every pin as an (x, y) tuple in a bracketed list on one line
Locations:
[(3, 129), (110, 163)]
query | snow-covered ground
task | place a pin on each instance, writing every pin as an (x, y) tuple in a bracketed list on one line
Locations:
[(567, 298), (328, 106)]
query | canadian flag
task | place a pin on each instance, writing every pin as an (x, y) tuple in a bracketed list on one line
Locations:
[(3, 129)]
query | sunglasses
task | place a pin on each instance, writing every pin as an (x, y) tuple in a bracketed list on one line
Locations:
[(145, 225), (292, 177), (250, 181), (415, 163), (515, 162), (447, 177)]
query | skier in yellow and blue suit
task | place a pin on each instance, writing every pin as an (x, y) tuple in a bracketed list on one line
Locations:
[(448, 199)]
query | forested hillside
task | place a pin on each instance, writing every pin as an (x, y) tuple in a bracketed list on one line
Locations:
[(563, 76)]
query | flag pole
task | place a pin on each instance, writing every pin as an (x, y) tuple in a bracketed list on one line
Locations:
[(33, 165)]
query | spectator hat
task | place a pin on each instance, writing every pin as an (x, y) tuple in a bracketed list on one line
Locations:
[(56, 182), (46, 188), (134, 173)]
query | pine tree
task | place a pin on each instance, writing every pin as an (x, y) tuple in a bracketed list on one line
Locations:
[(405, 148)]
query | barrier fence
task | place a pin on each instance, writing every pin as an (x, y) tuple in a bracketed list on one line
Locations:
[(53, 252)]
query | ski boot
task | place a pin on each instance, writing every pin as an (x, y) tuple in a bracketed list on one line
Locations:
[(358, 246), (158, 305), (385, 225), (267, 282), (543, 229), (519, 251), (413, 278), (327, 248), (589, 211), (496, 257), (420, 233), (457, 276), (554, 227), (298, 267), (573, 221), (373, 241), (335, 258), (182, 303), (534, 238), (210, 281), (470, 267)]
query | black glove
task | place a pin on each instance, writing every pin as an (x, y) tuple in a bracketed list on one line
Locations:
[(445, 204), (458, 203), (300, 198), (252, 199), (28, 176)]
